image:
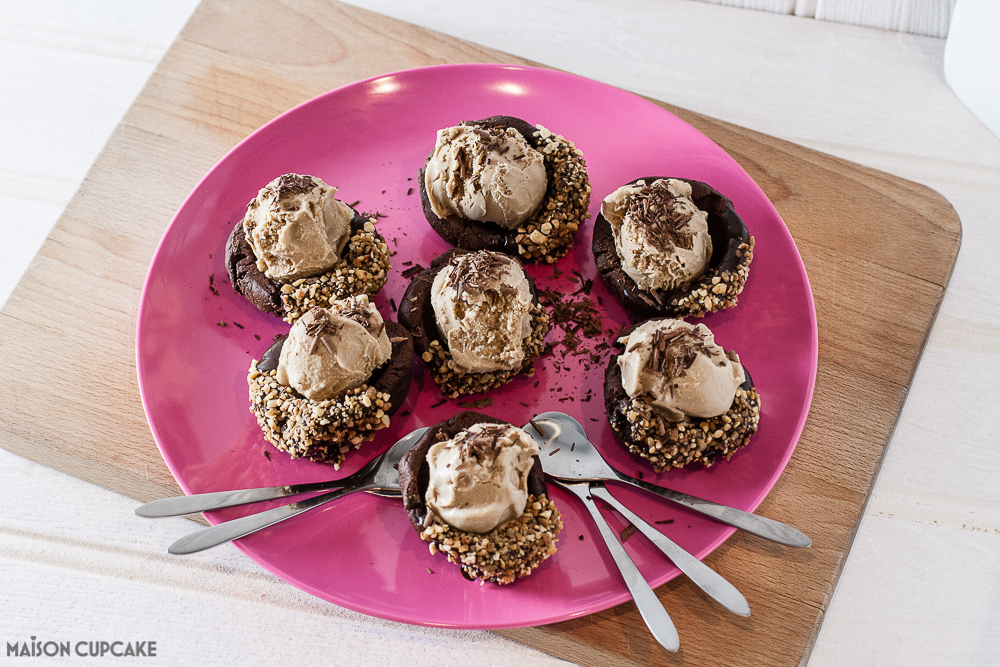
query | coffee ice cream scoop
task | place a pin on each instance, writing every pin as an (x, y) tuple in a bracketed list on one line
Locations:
[(479, 478), (296, 227), (660, 234), (482, 306), (681, 367), (331, 350), (485, 173)]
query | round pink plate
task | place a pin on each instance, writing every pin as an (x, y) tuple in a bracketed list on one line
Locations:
[(369, 138)]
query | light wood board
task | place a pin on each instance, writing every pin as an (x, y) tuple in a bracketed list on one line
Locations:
[(879, 251)]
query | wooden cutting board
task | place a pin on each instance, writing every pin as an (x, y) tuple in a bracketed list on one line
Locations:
[(878, 262)]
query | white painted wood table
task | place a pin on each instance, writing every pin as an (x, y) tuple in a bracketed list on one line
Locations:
[(922, 583)]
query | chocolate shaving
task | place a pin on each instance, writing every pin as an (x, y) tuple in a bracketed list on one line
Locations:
[(472, 272), (537, 427), (674, 352), (483, 445), (412, 271), (576, 315), (475, 405), (321, 325), (288, 186), (397, 339), (627, 532), (655, 208)]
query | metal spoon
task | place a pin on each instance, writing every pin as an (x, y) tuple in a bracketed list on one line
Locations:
[(379, 474), (707, 579), (650, 608), (216, 500), (568, 455)]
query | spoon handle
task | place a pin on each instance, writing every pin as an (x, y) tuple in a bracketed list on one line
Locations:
[(650, 608), (702, 575), (203, 502), (752, 523), (237, 528)]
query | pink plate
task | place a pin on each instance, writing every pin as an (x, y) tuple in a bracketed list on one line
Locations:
[(369, 139)]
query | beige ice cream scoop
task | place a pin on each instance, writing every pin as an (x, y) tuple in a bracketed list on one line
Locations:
[(681, 367), (331, 350), (486, 174), (296, 227), (479, 478), (482, 306), (660, 234)]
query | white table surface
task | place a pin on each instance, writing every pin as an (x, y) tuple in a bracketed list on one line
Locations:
[(922, 583)]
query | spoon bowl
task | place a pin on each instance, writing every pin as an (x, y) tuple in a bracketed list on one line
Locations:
[(568, 455)]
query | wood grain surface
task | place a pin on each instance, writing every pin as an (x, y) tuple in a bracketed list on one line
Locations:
[(879, 251)]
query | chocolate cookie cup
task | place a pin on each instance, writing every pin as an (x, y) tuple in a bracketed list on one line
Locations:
[(362, 269), (509, 551), (417, 314), (716, 289), (326, 430), (667, 444), (548, 234)]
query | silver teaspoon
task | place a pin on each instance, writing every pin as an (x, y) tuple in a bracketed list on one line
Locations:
[(568, 455), (707, 579), (650, 608), (379, 475)]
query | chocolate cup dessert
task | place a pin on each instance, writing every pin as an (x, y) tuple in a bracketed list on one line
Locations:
[(294, 426), (365, 260), (523, 543), (417, 314), (544, 237), (668, 444), (718, 288)]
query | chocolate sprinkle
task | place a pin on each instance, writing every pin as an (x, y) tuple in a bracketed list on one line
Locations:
[(475, 405), (412, 271)]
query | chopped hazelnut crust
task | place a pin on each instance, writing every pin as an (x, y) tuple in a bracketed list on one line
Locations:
[(320, 430), (507, 552), (668, 444), (548, 235)]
